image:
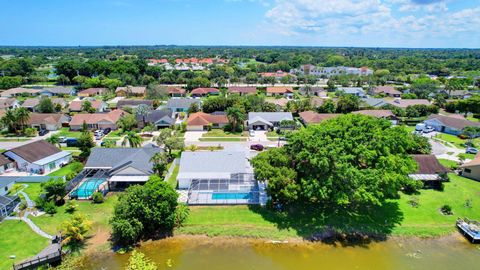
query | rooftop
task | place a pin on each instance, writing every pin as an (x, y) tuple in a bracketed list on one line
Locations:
[(35, 151)]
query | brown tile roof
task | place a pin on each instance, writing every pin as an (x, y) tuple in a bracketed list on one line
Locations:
[(77, 105), (376, 113), (6, 102), (35, 151), (92, 91), (18, 90), (386, 89), (428, 164), (45, 118), (473, 162), (404, 103), (242, 89), (203, 119), (31, 102), (132, 89), (5, 160), (94, 118), (279, 89), (176, 90), (282, 102), (204, 91), (311, 117), (454, 121)]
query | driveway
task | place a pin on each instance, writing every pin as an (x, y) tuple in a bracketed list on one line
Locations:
[(13, 143), (259, 136), (193, 136)]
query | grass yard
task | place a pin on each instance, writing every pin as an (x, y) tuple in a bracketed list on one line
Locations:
[(395, 217), (66, 169), (19, 240), (449, 164), (226, 139), (172, 180), (466, 156), (221, 133), (65, 132), (473, 119), (98, 214), (6, 139)]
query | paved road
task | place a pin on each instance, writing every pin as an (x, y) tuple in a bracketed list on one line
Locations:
[(13, 144)]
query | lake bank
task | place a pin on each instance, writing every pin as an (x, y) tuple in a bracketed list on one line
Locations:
[(201, 252)]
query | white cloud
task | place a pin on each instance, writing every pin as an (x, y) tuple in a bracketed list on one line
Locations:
[(382, 19)]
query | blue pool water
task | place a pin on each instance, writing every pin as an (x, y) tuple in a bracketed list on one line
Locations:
[(232, 196), (87, 188)]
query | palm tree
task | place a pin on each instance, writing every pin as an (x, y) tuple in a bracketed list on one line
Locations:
[(10, 120), (133, 139), (160, 161), (22, 116), (54, 140), (235, 117)]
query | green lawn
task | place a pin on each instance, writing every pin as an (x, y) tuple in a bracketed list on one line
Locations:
[(395, 217), (272, 134), (19, 240), (448, 163), (98, 214), (5, 139), (225, 139), (221, 133), (117, 134), (466, 156), (459, 143), (65, 170), (473, 119), (65, 132), (172, 180)]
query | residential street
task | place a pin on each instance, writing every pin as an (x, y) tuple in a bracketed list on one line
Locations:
[(13, 143)]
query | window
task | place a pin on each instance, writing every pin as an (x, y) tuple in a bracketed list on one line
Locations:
[(467, 170)]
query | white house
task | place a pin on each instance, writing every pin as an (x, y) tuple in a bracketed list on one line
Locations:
[(38, 157), (267, 120), (449, 124)]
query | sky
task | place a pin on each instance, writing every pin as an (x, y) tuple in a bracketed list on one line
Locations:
[(355, 23)]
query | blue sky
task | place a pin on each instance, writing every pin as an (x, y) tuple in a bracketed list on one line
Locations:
[(373, 23)]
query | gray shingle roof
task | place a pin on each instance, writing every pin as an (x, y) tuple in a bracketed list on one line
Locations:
[(181, 102), (117, 158), (270, 116), (156, 115)]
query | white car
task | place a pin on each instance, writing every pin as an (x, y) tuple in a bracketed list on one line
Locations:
[(251, 133)]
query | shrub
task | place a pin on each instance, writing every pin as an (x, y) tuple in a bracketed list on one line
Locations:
[(414, 201), (30, 132), (76, 166), (468, 203), (22, 206), (50, 208), (181, 213), (71, 207), (446, 210), (97, 197)]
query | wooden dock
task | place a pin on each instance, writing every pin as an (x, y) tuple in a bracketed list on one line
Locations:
[(470, 229), (51, 254)]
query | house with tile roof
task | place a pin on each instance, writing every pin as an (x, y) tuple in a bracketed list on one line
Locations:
[(310, 117), (449, 124), (91, 92), (404, 103), (12, 92), (9, 103), (203, 92), (38, 157), (201, 121), (98, 105), (96, 121), (176, 92), (138, 91), (242, 90), (386, 90), (47, 121), (275, 91), (472, 169)]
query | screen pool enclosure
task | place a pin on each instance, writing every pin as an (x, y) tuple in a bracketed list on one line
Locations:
[(239, 189), (86, 183), (87, 188)]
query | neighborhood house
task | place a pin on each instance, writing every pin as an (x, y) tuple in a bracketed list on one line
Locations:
[(267, 120), (201, 121), (96, 120), (448, 124)]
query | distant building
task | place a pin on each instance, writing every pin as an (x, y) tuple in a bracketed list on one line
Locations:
[(242, 90), (472, 169), (201, 121), (331, 71), (448, 124), (310, 117), (387, 90), (267, 120), (356, 91), (284, 91), (139, 91)]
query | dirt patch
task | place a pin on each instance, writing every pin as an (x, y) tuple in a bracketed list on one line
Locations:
[(99, 240)]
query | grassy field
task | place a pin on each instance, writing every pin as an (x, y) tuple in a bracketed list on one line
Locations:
[(65, 170), (466, 156), (65, 132), (225, 139), (6, 139), (172, 180), (221, 133), (98, 214), (396, 217), (448, 163), (19, 240)]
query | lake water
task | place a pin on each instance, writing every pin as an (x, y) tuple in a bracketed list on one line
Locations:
[(239, 254)]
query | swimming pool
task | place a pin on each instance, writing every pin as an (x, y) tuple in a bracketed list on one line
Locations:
[(232, 196), (87, 188)]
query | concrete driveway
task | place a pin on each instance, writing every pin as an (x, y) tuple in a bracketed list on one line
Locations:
[(259, 136), (193, 136)]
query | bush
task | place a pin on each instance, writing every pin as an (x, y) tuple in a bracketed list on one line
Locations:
[(50, 208), (413, 201), (30, 132), (446, 210), (22, 206), (181, 213), (71, 207), (97, 197)]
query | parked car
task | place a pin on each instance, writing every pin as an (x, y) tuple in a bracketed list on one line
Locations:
[(42, 132), (106, 131), (256, 147), (428, 129), (62, 139), (72, 142), (251, 132), (471, 150)]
